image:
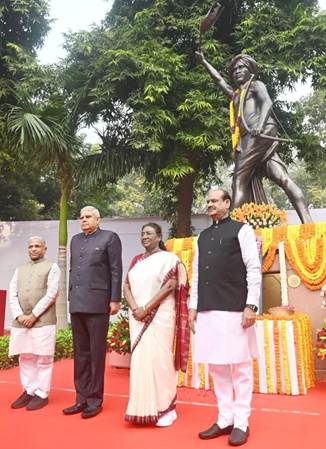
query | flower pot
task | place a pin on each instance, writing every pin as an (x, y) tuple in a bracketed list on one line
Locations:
[(119, 360)]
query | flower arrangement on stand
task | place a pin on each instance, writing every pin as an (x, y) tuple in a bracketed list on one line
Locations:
[(259, 215), (119, 339), (321, 333)]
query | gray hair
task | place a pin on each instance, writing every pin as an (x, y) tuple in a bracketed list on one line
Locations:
[(226, 195), (37, 237), (93, 210)]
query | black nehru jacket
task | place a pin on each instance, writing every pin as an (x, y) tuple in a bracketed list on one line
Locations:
[(95, 271), (222, 283)]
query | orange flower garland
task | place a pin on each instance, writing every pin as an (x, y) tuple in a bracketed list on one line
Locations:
[(305, 248), (183, 248), (267, 358), (256, 376), (276, 336), (285, 357), (259, 215), (303, 347), (299, 355)]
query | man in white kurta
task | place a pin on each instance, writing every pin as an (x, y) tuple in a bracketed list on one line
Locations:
[(226, 285), (32, 294)]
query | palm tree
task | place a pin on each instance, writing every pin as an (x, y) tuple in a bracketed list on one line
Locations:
[(46, 135)]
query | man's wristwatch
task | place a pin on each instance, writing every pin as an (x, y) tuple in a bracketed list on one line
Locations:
[(252, 307)]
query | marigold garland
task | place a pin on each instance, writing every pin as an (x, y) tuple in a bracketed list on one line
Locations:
[(321, 342), (183, 248), (235, 119), (305, 248), (303, 343), (256, 375), (276, 336), (267, 357), (285, 359), (299, 354), (259, 216)]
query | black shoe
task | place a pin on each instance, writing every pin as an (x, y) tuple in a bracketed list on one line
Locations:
[(215, 431), (36, 403), (91, 411), (238, 437), (74, 409), (22, 401)]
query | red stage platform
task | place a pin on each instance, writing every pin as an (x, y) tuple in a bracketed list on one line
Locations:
[(291, 422)]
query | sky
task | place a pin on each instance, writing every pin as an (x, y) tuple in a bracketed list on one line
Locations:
[(70, 15)]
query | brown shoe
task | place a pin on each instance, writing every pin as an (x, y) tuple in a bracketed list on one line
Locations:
[(22, 401), (238, 437), (215, 431), (36, 403)]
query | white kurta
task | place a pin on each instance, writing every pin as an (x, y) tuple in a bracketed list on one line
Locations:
[(220, 339), (36, 340)]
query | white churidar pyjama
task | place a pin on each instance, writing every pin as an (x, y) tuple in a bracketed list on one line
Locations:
[(36, 373), (233, 388)]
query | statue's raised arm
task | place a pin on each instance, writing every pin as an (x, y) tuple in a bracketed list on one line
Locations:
[(217, 77)]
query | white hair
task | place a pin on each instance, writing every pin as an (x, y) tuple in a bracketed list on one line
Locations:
[(37, 237), (215, 187), (93, 210)]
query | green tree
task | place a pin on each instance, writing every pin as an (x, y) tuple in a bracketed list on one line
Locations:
[(23, 27), (141, 77)]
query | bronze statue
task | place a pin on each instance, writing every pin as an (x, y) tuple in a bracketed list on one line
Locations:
[(254, 136)]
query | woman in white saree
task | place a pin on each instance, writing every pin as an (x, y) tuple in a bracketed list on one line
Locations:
[(156, 291)]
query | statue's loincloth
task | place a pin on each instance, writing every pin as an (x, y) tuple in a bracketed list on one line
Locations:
[(252, 156)]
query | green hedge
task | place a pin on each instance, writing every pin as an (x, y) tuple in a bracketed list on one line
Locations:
[(63, 349)]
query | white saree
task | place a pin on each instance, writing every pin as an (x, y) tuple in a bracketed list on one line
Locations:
[(153, 376)]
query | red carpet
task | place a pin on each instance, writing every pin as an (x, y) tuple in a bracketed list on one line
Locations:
[(277, 421)]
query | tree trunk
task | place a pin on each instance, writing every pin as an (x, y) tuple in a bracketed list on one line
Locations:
[(62, 258), (185, 198)]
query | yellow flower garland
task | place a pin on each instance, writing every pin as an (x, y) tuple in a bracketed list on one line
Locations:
[(285, 358), (267, 357), (235, 119), (305, 248), (256, 376), (298, 354), (276, 335), (303, 345)]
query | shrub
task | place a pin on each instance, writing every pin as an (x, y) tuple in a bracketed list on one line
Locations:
[(63, 349)]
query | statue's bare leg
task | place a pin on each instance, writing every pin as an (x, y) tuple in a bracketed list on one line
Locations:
[(241, 188), (276, 172)]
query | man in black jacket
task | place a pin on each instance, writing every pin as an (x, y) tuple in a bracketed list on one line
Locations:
[(94, 294)]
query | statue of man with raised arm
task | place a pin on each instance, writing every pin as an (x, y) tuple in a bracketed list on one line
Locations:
[(254, 136)]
